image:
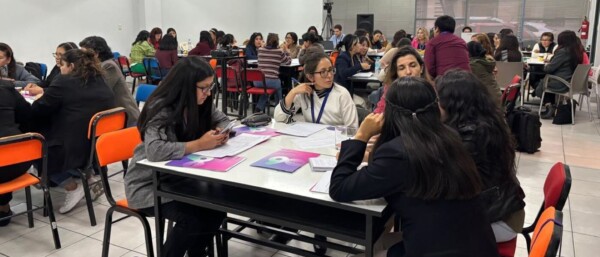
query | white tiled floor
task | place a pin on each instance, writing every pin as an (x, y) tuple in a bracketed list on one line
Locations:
[(576, 145)]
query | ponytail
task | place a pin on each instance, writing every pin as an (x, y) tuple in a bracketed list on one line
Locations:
[(85, 62)]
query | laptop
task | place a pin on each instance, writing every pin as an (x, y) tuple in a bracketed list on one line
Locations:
[(328, 45)]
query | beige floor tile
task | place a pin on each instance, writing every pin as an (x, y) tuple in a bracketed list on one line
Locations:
[(132, 254), (80, 221), (128, 233), (88, 247), (593, 162), (585, 174), (586, 245), (38, 242), (543, 157), (17, 227)]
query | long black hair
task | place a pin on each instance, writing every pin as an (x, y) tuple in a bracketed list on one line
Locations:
[(12, 65), (141, 37), (168, 42), (177, 92), (205, 37), (568, 40), (510, 44), (440, 168), (99, 45), (251, 44), (347, 43), (466, 100)]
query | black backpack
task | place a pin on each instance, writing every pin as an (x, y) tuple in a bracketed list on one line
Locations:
[(525, 126), (36, 70)]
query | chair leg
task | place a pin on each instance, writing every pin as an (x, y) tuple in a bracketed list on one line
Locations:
[(133, 86), (597, 100), (29, 206), (589, 109), (572, 111), (147, 236), (88, 198), (50, 210), (541, 103), (107, 229)]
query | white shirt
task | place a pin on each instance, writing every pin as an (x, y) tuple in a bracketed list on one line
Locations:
[(339, 109)]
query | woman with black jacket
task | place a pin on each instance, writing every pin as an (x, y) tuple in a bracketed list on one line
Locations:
[(348, 62), (472, 110)]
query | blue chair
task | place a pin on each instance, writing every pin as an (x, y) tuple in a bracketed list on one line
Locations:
[(143, 92), (44, 70), (116, 55), (153, 71)]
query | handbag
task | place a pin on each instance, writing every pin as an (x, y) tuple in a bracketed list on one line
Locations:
[(257, 120), (563, 113)]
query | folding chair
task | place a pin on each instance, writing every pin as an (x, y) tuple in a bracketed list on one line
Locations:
[(556, 191), (102, 122), (29, 146), (111, 147), (578, 85), (256, 75), (547, 235), (144, 91)]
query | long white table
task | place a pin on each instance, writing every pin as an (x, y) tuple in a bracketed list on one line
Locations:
[(276, 197)]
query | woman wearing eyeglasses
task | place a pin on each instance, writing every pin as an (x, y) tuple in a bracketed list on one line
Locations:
[(322, 101), (34, 88), (178, 119)]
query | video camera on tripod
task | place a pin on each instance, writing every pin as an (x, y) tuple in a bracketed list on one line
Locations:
[(225, 52)]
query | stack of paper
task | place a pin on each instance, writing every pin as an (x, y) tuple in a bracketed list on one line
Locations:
[(234, 146), (363, 75), (322, 185), (302, 129), (322, 163)]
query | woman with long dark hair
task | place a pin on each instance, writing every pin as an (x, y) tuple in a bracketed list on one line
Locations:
[(419, 167), (255, 42), (155, 37), (67, 105), (508, 51), (167, 53), (113, 76), (568, 54), (178, 119), (13, 72), (469, 107), (35, 89), (348, 62), (204, 46), (141, 48)]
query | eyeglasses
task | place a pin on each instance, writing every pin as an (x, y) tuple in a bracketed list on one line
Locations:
[(57, 55), (324, 73), (207, 89)]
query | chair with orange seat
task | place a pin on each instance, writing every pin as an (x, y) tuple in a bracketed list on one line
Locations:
[(547, 234), (111, 147), (256, 75), (102, 122), (333, 57), (30, 147)]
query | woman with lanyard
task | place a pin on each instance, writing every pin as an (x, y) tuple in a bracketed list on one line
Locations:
[(322, 101)]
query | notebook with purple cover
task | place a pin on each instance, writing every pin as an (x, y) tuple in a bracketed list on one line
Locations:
[(207, 163), (285, 160)]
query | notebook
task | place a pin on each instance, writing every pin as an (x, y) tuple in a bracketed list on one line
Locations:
[(285, 160), (207, 163), (322, 163)]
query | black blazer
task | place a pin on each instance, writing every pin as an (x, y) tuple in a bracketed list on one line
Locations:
[(53, 74), (345, 68), (68, 105), (15, 112), (430, 228)]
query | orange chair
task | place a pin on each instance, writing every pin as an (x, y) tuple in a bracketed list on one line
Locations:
[(547, 234), (102, 122), (30, 147), (556, 191), (334, 55), (256, 75), (213, 63), (111, 147)]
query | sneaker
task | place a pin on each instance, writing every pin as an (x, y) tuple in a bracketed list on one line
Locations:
[(96, 190), (4, 215), (71, 199)]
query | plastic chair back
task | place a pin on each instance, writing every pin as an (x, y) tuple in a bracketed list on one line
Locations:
[(547, 234), (144, 91), (557, 186), (153, 68), (124, 64), (580, 78), (106, 121), (29, 146), (507, 71), (116, 55), (253, 75)]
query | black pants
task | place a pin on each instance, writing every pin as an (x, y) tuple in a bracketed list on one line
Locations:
[(194, 229), (9, 173)]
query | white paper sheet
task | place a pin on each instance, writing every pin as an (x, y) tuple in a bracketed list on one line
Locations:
[(322, 163), (317, 141), (322, 185), (234, 146), (302, 129), (363, 75)]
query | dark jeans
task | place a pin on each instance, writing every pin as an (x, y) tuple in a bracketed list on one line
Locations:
[(9, 173), (194, 229)]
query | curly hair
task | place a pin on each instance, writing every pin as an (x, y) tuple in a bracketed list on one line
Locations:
[(85, 63)]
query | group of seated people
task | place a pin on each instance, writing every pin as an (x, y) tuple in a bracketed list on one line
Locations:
[(437, 145)]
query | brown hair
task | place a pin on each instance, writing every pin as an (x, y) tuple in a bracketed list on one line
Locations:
[(86, 64), (272, 40), (391, 73), (484, 40), (153, 32)]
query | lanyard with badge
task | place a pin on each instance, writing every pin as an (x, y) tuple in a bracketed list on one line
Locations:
[(312, 106)]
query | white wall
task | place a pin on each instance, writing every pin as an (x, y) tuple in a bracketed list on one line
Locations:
[(593, 20), (33, 28), (241, 17)]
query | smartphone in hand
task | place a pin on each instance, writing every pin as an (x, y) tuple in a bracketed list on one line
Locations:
[(227, 128)]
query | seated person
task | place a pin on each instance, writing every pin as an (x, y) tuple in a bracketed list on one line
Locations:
[(311, 45), (204, 46), (483, 68), (228, 42), (178, 120), (60, 50), (348, 62), (378, 41), (15, 116), (321, 100), (113, 77), (155, 37), (256, 42), (270, 57), (11, 71), (508, 51), (485, 134), (70, 102), (290, 45), (546, 44), (139, 49), (167, 53), (420, 41), (419, 166)]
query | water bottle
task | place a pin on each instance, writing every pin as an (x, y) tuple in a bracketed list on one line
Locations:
[(377, 65)]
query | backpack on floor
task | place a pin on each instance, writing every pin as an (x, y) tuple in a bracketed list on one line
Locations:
[(525, 126)]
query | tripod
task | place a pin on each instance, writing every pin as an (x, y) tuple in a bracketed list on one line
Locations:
[(327, 26)]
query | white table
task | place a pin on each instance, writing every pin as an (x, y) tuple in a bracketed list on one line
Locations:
[(244, 189)]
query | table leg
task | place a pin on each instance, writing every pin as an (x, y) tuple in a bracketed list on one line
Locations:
[(352, 89), (157, 215), (369, 239)]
